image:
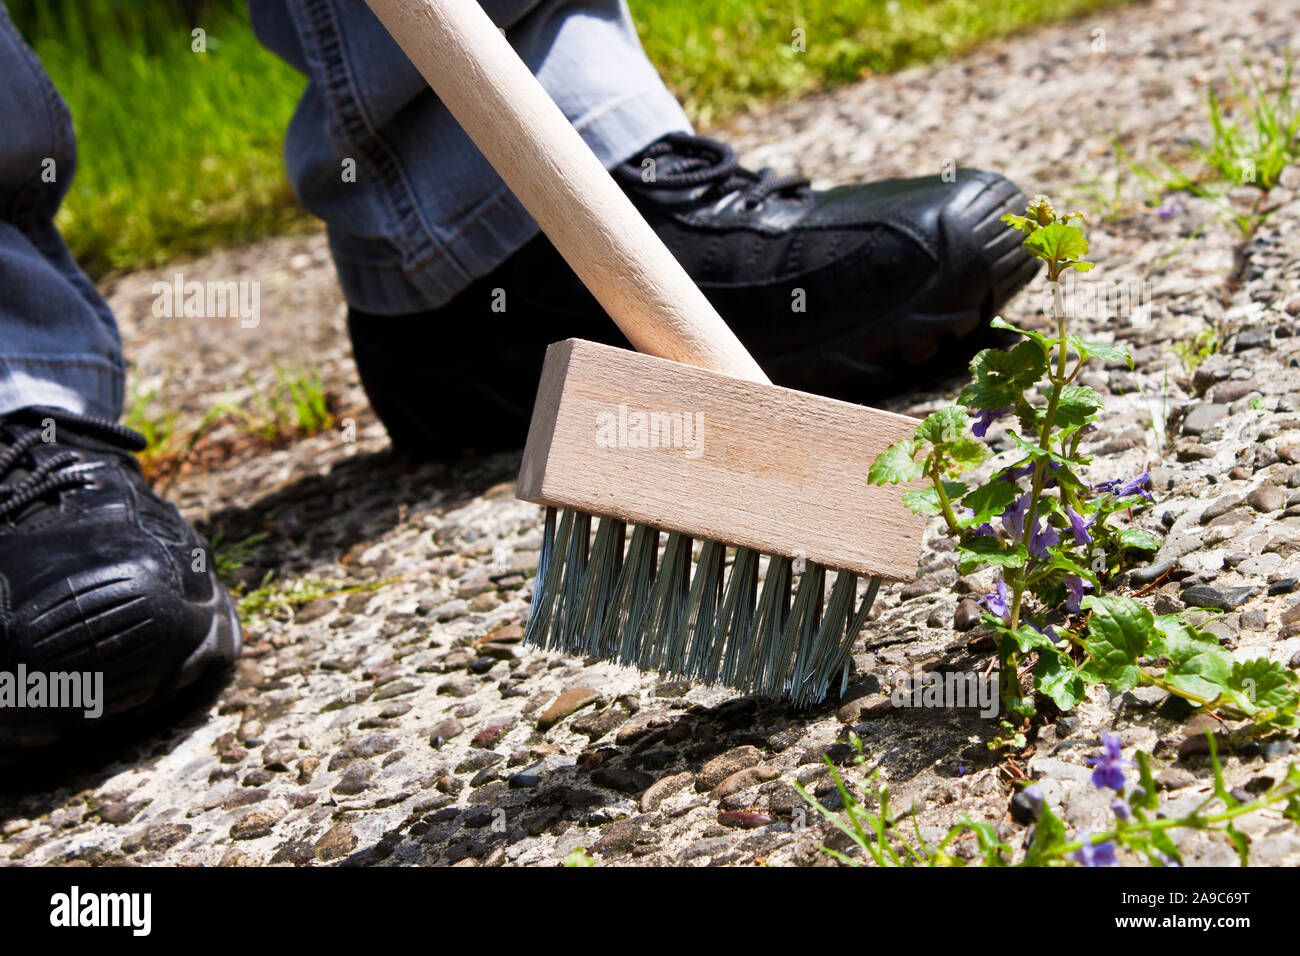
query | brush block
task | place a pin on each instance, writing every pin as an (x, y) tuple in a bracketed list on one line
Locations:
[(655, 442)]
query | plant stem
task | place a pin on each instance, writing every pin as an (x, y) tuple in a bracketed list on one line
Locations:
[(945, 506)]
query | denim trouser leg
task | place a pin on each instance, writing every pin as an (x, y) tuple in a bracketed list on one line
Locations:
[(424, 214), (58, 342), (414, 211)]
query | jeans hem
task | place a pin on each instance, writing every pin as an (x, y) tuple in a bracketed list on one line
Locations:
[(87, 386)]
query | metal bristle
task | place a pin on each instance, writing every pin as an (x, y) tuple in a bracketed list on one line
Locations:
[(617, 598)]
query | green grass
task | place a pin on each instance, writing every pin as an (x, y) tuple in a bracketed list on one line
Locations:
[(178, 151), (721, 56), (1253, 126), (181, 151)]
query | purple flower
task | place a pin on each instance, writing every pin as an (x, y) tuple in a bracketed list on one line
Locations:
[(1013, 518), (965, 514), (1122, 489), (1075, 586), (1015, 474), (997, 603), (1120, 809), (984, 418), (1171, 209), (1079, 526), (1095, 854), (1047, 631), (1108, 766), (1043, 536)]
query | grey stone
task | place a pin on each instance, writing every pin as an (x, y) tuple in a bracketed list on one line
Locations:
[(1222, 598), (1266, 498), (1204, 417)]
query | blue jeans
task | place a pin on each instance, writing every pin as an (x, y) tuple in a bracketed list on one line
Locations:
[(413, 210)]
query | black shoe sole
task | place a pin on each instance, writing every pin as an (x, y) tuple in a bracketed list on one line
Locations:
[(127, 648)]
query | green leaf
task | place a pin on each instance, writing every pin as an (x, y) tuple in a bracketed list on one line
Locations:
[(1062, 560), (1135, 539), (1048, 840), (1240, 842), (895, 464), (1197, 664), (943, 427), (1035, 451), (1046, 342), (1148, 799), (1000, 377), (1119, 630), (1262, 683), (1027, 638), (981, 550), (990, 500), (925, 501), (968, 451), (1220, 789), (1161, 840), (1077, 406), (986, 836), (1057, 241), (1023, 223), (1106, 351), (1055, 675)]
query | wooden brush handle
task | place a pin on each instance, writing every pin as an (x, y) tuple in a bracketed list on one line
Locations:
[(544, 161)]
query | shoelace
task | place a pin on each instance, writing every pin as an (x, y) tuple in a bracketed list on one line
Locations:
[(700, 161), (63, 470)]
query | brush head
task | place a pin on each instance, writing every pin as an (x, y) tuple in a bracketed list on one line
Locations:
[(725, 508)]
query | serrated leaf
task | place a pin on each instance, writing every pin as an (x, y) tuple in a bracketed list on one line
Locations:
[(1119, 630), (895, 464), (925, 501), (1197, 664), (999, 377), (990, 500), (943, 427), (1106, 351), (1022, 223), (1057, 241), (1046, 342), (1265, 684), (981, 550), (968, 452), (1077, 406), (1056, 676)]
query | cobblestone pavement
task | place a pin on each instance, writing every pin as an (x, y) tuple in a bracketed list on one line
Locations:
[(401, 722)]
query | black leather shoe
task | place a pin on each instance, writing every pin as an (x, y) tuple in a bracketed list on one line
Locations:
[(101, 582), (851, 292)]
